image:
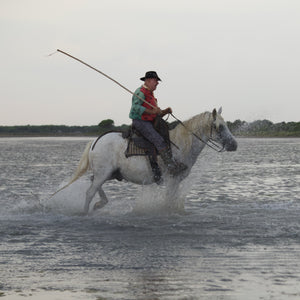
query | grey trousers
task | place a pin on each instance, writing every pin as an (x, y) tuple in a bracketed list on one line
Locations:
[(147, 130)]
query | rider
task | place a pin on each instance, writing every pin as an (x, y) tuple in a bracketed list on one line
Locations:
[(143, 116)]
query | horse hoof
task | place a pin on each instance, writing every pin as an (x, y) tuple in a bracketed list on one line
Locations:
[(97, 206)]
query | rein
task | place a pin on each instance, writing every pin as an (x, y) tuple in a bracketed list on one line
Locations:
[(210, 142)]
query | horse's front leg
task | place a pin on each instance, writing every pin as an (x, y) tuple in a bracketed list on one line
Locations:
[(173, 200), (172, 188)]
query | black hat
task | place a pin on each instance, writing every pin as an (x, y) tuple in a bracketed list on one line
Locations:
[(150, 74)]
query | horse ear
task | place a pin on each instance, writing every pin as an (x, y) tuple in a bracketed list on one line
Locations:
[(220, 110), (214, 113)]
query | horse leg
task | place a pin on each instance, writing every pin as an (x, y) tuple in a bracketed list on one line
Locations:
[(92, 190), (173, 200), (103, 200)]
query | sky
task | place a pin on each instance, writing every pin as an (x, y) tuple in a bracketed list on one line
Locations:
[(241, 55)]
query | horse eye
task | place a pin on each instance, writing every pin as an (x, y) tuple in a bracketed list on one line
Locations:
[(220, 128)]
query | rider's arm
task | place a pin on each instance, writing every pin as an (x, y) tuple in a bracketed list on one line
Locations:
[(136, 107)]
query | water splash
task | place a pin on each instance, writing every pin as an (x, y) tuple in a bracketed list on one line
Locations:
[(148, 200), (69, 201), (162, 200)]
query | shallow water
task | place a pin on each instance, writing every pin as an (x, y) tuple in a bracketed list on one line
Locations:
[(239, 237)]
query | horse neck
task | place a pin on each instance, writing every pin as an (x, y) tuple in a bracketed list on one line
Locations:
[(200, 124), (182, 135)]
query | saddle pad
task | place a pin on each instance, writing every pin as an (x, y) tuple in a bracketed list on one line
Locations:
[(133, 150)]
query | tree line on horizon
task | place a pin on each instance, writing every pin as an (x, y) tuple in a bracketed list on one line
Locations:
[(259, 128), (265, 128)]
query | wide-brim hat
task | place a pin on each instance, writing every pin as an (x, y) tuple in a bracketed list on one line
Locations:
[(150, 74)]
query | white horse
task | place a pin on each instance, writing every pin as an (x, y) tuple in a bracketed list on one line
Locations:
[(106, 156)]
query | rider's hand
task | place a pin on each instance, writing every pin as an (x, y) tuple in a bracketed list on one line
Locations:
[(167, 111), (156, 111)]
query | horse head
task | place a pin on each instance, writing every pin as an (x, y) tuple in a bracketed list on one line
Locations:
[(220, 132)]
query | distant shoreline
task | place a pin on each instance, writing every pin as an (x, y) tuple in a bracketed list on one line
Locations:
[(45, 135), (260, 128), (94, 136)]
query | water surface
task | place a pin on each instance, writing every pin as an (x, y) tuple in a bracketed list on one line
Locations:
[(239, 237)]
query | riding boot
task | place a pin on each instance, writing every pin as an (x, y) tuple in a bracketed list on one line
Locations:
[(175, 168)]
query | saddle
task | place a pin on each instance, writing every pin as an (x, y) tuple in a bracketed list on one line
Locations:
[(138, 145)]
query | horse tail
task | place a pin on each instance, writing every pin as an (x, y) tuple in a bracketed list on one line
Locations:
[(83, 166)]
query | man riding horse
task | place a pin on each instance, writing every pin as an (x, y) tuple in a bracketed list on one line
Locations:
[(143, 116)]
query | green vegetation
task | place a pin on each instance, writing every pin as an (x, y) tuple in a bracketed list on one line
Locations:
[(262, 128), (61, 130)]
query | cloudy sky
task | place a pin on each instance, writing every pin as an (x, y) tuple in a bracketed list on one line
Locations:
[(243, 55)]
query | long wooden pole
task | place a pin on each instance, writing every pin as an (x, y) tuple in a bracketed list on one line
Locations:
[(122, 86)]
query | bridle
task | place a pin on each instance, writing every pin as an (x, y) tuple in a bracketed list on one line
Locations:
[(210, 142)]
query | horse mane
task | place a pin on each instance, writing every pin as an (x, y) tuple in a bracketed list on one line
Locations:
[(199, 122)]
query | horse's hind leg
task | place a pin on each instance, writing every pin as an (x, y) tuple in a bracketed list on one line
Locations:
[(90, 193), (103, 199)]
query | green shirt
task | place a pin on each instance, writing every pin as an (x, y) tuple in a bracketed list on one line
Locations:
[(137, 109)]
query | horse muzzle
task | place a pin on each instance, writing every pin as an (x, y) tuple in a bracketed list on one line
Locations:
[(230, 145)]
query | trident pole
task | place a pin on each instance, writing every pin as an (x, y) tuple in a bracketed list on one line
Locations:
[(115, 81)]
